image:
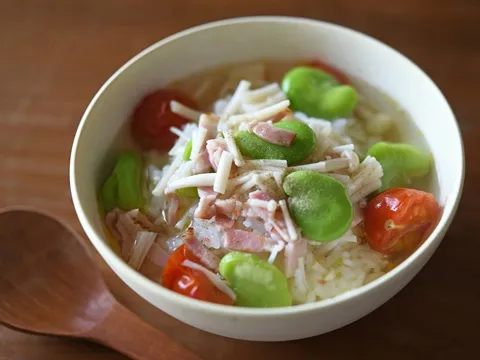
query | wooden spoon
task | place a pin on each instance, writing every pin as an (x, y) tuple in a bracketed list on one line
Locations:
[(49, 284)]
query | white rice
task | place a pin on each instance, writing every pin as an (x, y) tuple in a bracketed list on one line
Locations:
[(345, 267)]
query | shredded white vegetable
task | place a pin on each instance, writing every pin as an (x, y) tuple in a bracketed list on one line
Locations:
[(184, 111), (198, 141), (162, 184), (233, 148), (292, 231), (262, 93), (192, 181), (324, 166), (223, 172), (214, 278), (234, 103), (143, 242), (341, 148), (260, 115)]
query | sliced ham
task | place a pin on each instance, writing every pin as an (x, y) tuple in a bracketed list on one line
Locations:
[(207, 258), (294, 251), (201, 164), (206, 207), (274, 135), (230, 208), (241, 240), (227, 212), (206, 190), (224, 221), (215, 148), (260, 195), (124, 227)]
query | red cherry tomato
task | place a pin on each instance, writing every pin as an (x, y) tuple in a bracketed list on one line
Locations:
[(152, 119), (399, 220), (190, 282), (337, 74)]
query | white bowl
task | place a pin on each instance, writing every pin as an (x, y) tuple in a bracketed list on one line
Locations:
[(244, 39)]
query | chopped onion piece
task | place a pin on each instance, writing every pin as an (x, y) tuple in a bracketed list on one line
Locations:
[(178, 132), (247, 185), (292, 232), (223, 172), (324, 166), (260, 115), (143, 242), (271, 205), (275, 250), (198, 141), (184, 111), (182, 223), (259, 164), (262, 93), (192, 181), (339, 149), (162, 184), (237, 97), (214, 278), (233, 148), (365, 190)]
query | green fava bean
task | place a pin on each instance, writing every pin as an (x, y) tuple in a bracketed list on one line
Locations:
[(318, 204), (400, 163), (109, 193), (256, 148), (188, 151), (124, 187), (190, 192), (317, 94), (256, 282)]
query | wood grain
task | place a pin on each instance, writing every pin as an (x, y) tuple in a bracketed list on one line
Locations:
[(57, 53), (50, 285)]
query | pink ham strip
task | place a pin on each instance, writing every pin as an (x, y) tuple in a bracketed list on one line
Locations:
[(294, 251), (227, 212), (224, 221), (274, 135), (202, 163), (207, 258), (240, 240), (215, 148), (260, 195), (205, 208), (206, 190), (124, 227)]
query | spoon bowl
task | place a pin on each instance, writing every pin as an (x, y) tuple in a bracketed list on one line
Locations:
[(49, 284), (30, 260)]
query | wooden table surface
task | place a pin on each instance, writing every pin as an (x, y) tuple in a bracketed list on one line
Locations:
[(55, 54)]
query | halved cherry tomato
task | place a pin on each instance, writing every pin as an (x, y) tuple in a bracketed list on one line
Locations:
[(399, 220), (153, 118), (190, 282), (337, 74)]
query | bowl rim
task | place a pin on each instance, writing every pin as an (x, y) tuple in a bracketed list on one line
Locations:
[(116, 262)]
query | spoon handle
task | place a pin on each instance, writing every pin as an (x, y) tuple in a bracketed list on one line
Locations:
[(124, 332)]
